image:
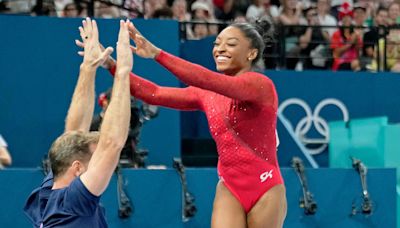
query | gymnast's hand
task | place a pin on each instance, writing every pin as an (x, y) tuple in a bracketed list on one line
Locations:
[(94, 54), (144, 48)]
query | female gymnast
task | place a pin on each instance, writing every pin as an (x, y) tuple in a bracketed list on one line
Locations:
[(241, 108)]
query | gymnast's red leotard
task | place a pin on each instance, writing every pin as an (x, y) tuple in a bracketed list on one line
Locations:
[(241, 113)]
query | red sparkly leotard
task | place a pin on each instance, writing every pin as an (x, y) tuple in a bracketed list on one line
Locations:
[(241, 112)]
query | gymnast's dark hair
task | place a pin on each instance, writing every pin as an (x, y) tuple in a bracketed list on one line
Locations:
[(260, 33)]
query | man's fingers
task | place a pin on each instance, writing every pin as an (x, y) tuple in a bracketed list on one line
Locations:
[(84, 24), (102, 47), (81, 53), (88, 26), (95, 31), (123, 53), (123, 37), (104, 55), (79, 44), (121, 27), (125, 26), (82, 33), (108, 51)]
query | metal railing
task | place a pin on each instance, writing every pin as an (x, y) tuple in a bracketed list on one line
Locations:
[(45, 7), (279, 54)]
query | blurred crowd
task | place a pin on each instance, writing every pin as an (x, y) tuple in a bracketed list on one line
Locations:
[(358, 35)]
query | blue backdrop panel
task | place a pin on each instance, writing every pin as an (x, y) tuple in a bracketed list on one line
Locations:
[(194, 124), (39, 71), (156, 196)]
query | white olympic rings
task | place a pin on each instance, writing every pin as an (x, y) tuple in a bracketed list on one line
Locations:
[(313, 119)]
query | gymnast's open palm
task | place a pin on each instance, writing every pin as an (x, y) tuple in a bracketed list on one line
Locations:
[(144, 48)]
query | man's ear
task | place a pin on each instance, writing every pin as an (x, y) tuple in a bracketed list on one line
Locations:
[(77, 168)]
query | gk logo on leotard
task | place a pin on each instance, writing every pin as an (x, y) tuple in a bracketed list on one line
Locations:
[(264, 176)]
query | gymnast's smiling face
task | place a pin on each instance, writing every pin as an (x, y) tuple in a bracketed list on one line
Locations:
[(232, 52)]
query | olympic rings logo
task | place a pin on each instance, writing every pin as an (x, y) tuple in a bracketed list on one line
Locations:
[(313, 119)]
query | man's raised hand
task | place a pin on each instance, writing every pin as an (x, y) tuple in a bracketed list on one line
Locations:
[(93, 54), (124, 54)]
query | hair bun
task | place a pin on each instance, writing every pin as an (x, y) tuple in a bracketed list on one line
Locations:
[(266, 30)]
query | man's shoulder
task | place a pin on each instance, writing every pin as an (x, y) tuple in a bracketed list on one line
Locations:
[(74, 193), (42, 192), (79, 193), (37, 200), (72, 208), (74, 199)]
